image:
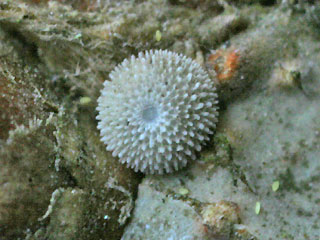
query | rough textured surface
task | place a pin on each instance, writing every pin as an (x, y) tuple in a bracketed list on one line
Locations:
[(57, 179)]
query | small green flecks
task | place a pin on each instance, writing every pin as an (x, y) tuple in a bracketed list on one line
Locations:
[(275, 186), (79, 35), (158, 35), (183, 191), (85, 100), (257, 208)]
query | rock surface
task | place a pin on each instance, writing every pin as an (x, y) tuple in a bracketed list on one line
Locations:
[(59, 182)]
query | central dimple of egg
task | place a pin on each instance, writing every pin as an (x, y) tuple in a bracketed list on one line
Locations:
[(150, 114)]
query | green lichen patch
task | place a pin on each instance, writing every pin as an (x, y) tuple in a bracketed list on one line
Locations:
[(222, 151)]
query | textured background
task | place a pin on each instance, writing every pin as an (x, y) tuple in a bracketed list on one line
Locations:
[(58, 182)]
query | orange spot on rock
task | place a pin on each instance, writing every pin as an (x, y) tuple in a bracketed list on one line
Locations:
[(225, 62)]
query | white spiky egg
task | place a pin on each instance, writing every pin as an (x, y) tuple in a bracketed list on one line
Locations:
[(156, 111)]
